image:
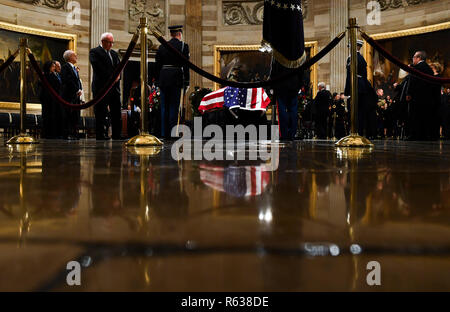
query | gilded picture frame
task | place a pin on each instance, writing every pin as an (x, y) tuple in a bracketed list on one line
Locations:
[(30, 32), (220, 49), (368, 51)]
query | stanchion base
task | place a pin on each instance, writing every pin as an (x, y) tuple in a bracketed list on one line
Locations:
[(144, 140), (353, 153), (354, 140), (144, 150), (22, 139)]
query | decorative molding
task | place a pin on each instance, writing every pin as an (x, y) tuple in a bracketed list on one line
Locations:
[(249, 12), (39, 32), (53, 4), (243, 13), (411, 31), (153, 10), (395, 4), (14, 106)]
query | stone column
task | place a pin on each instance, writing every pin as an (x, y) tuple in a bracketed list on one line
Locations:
[(193, 37), (99, 20), (99, 25), (339, 13)]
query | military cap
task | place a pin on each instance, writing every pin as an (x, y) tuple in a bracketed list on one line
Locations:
[(359, 43), (176, 28)]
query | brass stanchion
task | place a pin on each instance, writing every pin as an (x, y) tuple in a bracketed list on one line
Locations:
[(23, 138), (144, 138), (354, 140)]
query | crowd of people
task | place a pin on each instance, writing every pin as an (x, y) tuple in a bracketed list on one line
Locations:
[(61, 122), (328, 116), (414, 109)]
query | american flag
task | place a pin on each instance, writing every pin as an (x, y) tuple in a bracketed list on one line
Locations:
[(249, 99), (236, 181)]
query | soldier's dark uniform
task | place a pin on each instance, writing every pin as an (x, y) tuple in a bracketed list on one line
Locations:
[(338, 116), (366, 97), (173, 76)]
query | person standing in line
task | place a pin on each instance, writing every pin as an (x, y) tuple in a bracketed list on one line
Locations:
[(321, 110), (286, 95), (104, 61), (172, 79), (71, 91), (421, 98), (58, 109), (367, 98), (47, 101)]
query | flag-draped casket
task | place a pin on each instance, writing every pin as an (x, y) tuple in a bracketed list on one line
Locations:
[(247, 99)]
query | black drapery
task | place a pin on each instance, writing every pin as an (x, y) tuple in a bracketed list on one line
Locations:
[(283, 31)]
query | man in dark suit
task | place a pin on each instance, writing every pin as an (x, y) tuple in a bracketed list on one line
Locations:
[(321, 110), (58, 108), (420, 97), (367, 98), (71, 91), (173, 78), (286, 94), (50, 108), (104, 61)]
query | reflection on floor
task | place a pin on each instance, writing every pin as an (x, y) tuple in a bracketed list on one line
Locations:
[(310, 219)]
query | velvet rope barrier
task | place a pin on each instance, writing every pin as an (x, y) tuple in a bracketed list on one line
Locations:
[(103, 92), (9, 61), (400, 64), (259, 84)]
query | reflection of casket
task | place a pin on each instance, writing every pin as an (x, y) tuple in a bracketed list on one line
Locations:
[(231, 106), (236, 181)]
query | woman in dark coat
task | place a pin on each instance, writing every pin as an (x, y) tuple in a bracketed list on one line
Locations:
[(51, 110)]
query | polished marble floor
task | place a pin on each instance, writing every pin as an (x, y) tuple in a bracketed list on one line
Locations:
[(309, 219)]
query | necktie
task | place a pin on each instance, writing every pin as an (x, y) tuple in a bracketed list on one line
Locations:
[(110, 57), (78, 77), (76, 72)]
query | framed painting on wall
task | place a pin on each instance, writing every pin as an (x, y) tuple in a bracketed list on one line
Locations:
[(403, 44), (45, 45), (246, 63)]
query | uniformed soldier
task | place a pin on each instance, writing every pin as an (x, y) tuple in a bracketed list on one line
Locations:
[(338, 117), (173, 78), (367, 98), (286, 95)]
